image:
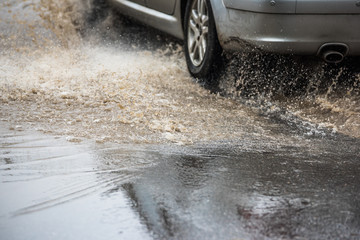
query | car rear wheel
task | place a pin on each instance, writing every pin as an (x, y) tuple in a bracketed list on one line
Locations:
[(202, 48)]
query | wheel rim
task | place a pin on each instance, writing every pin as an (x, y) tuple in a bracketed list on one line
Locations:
[(198, 26)]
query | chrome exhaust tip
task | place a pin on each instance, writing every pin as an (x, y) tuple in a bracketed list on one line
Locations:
[(333, 52), (333, 57)]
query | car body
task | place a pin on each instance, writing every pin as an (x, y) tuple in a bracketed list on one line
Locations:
[(328, 28)]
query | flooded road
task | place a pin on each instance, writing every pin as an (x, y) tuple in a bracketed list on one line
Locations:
[(51, 188), (104, 135)]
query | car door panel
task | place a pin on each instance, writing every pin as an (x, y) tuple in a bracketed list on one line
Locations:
[(263, 6)]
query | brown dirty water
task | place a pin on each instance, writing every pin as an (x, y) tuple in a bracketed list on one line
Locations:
[(113, 94)]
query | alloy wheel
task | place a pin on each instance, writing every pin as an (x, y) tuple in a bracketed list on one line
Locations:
[(198, 26)]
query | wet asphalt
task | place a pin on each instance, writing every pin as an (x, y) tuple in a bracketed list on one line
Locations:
[(54, 187)]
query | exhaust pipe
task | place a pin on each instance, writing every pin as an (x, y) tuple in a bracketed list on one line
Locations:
[(333, 52), (332, 56)]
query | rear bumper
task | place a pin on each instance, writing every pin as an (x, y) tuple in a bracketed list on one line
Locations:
[(302, 34)]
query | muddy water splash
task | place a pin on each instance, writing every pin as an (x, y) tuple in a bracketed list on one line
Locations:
[(301, 88), (121, 94)]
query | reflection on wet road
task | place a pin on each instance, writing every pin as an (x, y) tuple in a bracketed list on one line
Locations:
[(218, 192), (52, 188)]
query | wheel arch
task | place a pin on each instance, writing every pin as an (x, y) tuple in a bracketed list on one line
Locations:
[(219, 13), (182, 9), (217, 7)]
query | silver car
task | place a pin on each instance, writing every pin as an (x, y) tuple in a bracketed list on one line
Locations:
[(327, 28)]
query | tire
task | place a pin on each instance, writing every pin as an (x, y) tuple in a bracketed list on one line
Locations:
[(201, 44)]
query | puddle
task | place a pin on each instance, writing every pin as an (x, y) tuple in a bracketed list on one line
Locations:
[(91, 73), (56, 188)]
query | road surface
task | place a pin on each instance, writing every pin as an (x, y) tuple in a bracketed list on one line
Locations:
[(104, 135)]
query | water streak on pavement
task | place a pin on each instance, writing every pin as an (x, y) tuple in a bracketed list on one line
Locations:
[(52, 188)]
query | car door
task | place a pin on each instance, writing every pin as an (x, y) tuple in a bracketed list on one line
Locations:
[(164, 6)]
